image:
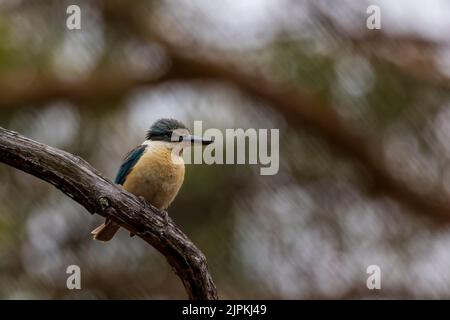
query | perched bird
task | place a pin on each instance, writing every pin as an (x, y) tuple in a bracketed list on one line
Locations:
[(154, 170)]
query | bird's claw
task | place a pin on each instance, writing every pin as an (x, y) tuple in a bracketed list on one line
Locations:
[(165, 216), (163, 213), (144, 202)]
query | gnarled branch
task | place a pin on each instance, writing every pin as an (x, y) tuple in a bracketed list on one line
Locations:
[(80, 181)]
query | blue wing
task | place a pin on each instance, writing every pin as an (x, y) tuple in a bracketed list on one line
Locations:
[(130, 161)]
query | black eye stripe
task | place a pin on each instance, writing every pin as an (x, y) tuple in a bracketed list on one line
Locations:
[(166, 136)]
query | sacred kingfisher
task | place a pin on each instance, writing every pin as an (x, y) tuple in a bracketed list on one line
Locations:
[(154, 170)]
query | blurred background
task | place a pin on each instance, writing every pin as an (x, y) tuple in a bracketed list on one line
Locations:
[(364, 169)]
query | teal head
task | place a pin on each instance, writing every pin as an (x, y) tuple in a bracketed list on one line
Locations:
[(173, 131)]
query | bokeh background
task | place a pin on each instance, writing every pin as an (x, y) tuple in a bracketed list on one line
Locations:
[(308, 232)]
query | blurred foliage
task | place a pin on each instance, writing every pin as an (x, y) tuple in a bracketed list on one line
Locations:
[(308, 232)]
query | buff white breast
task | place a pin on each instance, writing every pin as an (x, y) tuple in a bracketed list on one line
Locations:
[(158, 175)]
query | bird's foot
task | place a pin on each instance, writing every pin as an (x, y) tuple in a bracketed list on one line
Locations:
[(165, 216), (163, 213), (144, 202)]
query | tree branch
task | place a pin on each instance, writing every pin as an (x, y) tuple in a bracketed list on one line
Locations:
[(32, 88), (80, 181)]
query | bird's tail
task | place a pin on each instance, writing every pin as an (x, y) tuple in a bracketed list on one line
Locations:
[(105, 231)]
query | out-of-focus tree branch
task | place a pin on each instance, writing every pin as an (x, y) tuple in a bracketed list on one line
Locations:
[(80, 181), (32, 88), (410, 55)]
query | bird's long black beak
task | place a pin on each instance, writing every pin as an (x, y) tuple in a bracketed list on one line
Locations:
[(196, 139)]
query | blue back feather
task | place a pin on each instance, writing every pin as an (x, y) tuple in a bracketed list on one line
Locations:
[(130, 161)]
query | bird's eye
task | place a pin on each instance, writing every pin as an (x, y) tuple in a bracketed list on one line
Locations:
[(174, 136), (178, 135)]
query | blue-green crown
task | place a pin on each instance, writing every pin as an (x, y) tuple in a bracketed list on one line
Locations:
[(162, 129)]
